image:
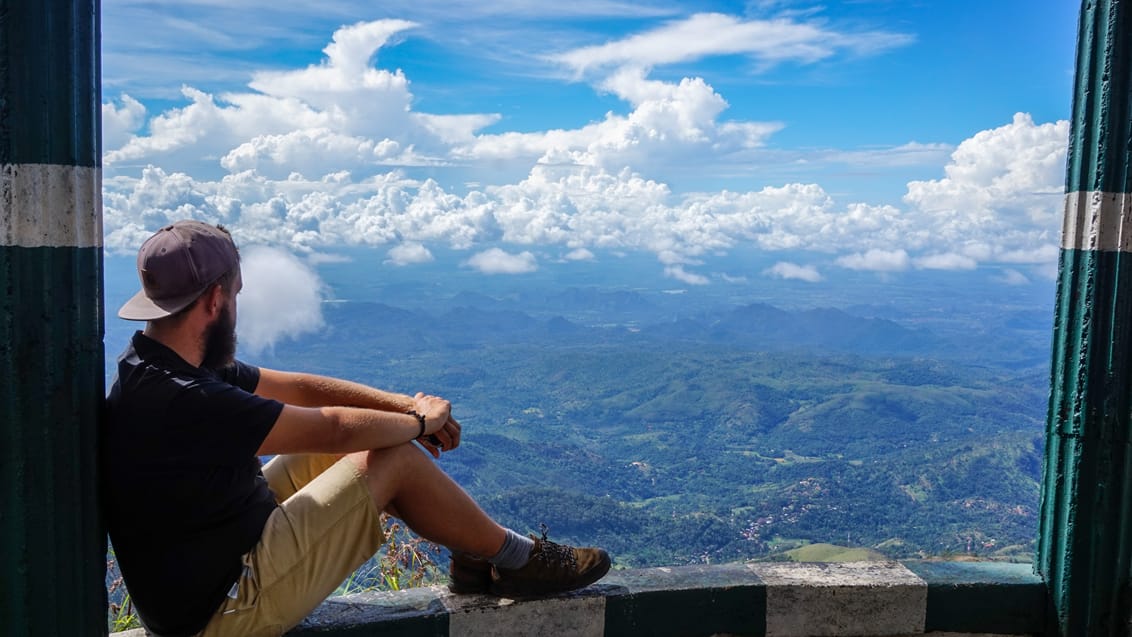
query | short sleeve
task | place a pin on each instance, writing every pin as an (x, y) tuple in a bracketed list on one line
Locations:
[(232, 416), (242, 375)]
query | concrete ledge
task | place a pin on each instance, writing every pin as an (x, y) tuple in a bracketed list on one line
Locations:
[(772, 599)]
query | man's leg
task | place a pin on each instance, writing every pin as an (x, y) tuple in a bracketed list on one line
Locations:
[(286, 474), (405, 481), (329, 527), (310, 544), (408, 484)]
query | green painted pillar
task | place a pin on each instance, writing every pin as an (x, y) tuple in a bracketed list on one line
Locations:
[(52, 543), (1085, 542)]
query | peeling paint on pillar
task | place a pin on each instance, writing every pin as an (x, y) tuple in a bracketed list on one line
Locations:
[(52, 543), (1085, 541)]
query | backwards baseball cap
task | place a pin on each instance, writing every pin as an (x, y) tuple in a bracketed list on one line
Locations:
[(176, 266)]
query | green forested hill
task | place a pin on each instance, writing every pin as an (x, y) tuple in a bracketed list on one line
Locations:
[(676, 450)]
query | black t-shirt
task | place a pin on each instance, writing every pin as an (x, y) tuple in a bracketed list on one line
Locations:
[(184, 493)]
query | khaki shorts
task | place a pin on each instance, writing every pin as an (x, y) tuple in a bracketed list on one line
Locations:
[(326, 526)]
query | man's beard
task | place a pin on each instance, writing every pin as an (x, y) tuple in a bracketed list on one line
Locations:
[(220, 342)]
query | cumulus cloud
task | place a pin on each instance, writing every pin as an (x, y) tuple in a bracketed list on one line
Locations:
[(680, 274), (579, 254), (787, 270), (1011, 276), (587, 207), (409, 253), (946, 261), (120, 121), (315, 151), (673, 129), (1045, 253), (1001, 193), (497, 261), (339, 113), (281, 298), (876, 260), (314, 158)]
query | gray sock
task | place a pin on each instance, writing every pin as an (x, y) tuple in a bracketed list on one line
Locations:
[(516, 551)]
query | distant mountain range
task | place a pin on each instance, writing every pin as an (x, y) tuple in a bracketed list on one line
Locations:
[(578, 316), (718, 433)]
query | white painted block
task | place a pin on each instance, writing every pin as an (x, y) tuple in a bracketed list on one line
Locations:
[(835, 600), (45, 205), (1097, 221), (482, 616)]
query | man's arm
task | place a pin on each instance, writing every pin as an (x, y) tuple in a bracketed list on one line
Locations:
[(311, 390), (349, 429)]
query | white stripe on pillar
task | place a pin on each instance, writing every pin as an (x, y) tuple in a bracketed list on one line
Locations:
[(1097, 221), (48, 205)]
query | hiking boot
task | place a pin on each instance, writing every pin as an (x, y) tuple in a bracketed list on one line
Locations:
[(468, 574), (553, 568)]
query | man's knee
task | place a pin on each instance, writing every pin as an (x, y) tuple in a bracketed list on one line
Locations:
[(387, 461)]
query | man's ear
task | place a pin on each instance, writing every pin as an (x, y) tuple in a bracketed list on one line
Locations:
[(214, 300)]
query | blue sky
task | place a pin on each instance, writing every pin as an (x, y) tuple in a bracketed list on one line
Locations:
[(870, 135)]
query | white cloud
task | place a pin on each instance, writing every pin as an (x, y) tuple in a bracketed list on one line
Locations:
[(713, 34), (281, 298), (673, 130), (1011, 276), (674, 257), (409, 253), (317, 151), (946, 261), (1047, 270), (876, 260), (787, 270), (120, 121), (582, 207), (1044, 253), (1003, 188), (318, 258), (343, 114), (303, 119), (680, 274), (579, 254), (333, 153), (497, 261), (910, 154)]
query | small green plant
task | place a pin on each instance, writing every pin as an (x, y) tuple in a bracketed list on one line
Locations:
[(403, 561), (121, 615)]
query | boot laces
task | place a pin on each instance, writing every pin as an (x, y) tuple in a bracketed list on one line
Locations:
[(553, 554)]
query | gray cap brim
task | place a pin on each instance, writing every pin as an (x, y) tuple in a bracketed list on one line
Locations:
[(143, 308)]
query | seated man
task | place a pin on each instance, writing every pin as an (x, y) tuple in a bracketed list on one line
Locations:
[(211, 543)]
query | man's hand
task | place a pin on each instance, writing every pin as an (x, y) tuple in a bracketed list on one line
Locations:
[(434, 409), (444, 438)]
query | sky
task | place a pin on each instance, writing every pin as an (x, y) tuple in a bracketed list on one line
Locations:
[(862, 135)]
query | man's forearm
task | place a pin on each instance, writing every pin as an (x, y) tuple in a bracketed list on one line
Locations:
[(361, 429), (340, 429), (312, 390)]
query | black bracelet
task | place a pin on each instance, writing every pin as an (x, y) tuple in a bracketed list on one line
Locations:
[(420, 418)]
